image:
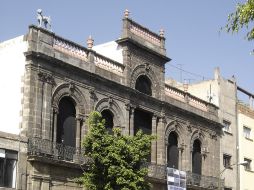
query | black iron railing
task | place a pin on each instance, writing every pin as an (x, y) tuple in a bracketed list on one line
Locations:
[(207, 182), (56, 151)]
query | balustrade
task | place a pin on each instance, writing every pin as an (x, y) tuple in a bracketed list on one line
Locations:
[(145, 34), (186, 97), (107, 64), (69, 48), (207, 182), (56, 151)]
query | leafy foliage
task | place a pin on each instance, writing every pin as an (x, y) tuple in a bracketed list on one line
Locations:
[(242, 18), (117, 159)]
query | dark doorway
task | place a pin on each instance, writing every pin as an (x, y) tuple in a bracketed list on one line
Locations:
[(66, 122), (173, 153), (196, 157), (143, 84), (142, 121), (109, 119)]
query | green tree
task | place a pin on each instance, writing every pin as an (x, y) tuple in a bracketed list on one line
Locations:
[(117, 159), (242, 18)]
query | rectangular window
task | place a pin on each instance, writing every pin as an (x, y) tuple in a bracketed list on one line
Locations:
[(246, 132), (226, 126), (226, 160), (248, 165), (8, 161)]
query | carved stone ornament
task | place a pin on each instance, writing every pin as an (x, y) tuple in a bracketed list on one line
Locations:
[(213, 135), (46, 20), (148, 67), (71, 88), (189, 127), (110, 101), (127, 106), (46, 78)]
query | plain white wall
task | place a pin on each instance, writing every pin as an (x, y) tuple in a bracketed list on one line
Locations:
[(12, 68)]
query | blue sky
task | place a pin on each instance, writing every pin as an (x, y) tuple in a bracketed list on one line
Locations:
[(192, 30)]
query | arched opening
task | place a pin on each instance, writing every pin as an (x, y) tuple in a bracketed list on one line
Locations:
[(172, 151), (144, 85), (66, 122), (109, 119), (196, 157), (143, 121)]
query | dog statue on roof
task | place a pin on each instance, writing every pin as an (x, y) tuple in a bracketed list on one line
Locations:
[(43, 19)]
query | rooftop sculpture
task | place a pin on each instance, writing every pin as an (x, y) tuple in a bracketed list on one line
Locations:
[(43, 19)]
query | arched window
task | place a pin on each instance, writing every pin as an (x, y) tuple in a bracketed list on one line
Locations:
[(109, 119), (144, 85), (172, 151), (66, 122), (196, 157)]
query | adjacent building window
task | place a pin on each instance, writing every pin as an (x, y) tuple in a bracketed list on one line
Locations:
[(8, 168), (248, 165), (226, 160), (226, 126), (246, 132)]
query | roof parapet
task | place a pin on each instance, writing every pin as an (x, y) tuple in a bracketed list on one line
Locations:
[(140, 34)]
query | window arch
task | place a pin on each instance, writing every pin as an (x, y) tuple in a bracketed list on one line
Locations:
[(172, 151), (109, 119), (66, 122), (144, 85), (196, 157)]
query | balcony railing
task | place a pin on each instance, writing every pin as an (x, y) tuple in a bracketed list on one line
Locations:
[(55, 151), (207, 182)]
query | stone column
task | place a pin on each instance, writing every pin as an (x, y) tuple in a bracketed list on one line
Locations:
[(46, 105), (131, 128), (78, 132), (161, 146), (92, 99), (84, 127), (55, 114), (154, 142), (180, 156), (127, 119), (45, 185)]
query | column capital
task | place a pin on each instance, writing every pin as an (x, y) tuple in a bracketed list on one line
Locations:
[(55, 110), (80, 117)]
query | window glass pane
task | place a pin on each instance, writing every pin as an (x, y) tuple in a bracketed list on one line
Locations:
[(248, 165), (226, 160), (10, 170), (1, 171), (226, 126), (246, 132)]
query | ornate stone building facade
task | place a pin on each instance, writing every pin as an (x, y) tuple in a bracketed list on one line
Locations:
[(63, 82)]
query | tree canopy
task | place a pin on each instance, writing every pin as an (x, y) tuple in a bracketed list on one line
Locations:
[(242, 18), (117, 158)]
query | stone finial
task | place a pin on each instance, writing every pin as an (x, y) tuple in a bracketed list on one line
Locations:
[(89, 42), (162, 32), (126, 13)]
